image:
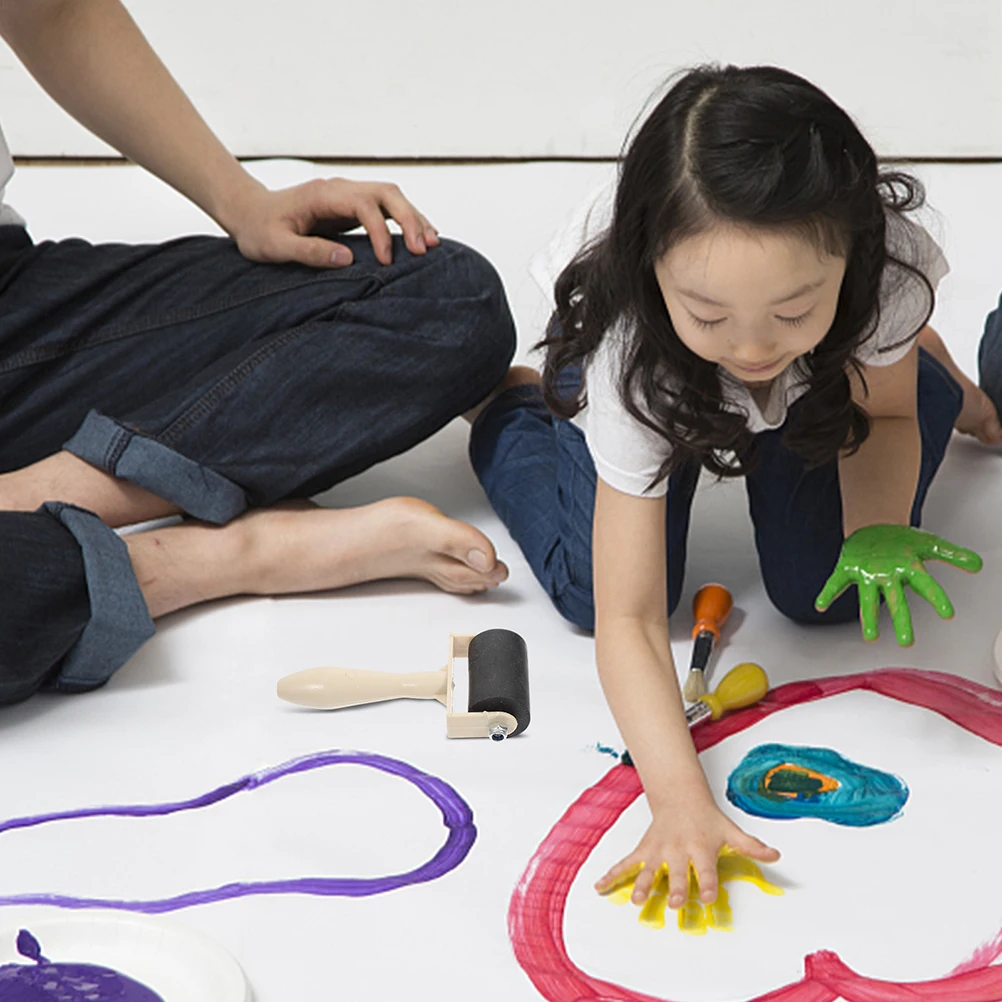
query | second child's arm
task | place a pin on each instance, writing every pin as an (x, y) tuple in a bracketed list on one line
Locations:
[(638, 676)]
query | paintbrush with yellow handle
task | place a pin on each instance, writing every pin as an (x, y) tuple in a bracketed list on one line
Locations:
[(711, 606), (744, 685)]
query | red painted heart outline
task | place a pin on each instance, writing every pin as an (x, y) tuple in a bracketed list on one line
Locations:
[(536, 911)]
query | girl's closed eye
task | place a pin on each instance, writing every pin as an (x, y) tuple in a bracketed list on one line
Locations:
[(700, 322), (797, 321)]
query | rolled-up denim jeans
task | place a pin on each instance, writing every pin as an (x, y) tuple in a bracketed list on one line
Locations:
[(990, 357), (217, 384)]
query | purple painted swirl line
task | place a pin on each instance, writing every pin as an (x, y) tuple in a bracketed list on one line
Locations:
[(456, 815)]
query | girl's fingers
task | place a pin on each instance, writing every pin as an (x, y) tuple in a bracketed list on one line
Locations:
[(901, 618), (869, 607), (833, 587), (932, 591), (748, 845), (678, 880), (706, 876), (645, 880), (622, 873), (959, 556)]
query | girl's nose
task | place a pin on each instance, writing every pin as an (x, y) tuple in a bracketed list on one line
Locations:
[(754, 351)]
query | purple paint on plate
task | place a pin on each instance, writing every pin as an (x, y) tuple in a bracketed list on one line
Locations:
[(456, 815), (45, 981)]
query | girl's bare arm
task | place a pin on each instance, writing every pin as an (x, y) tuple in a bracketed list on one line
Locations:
[(878, 482), (638, 676)]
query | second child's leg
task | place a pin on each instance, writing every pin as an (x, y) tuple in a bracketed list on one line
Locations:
[(990, 361), (979, 415), (797, 513)]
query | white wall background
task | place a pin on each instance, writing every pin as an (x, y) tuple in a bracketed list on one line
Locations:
[(528, 78)]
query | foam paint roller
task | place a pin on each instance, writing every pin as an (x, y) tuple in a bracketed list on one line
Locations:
[(498, 703)]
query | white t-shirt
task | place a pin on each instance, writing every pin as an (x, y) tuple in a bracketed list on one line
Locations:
[(8, 217), (627, 454)]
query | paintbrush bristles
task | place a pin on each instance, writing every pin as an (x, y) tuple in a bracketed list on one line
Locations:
[(695, 686)]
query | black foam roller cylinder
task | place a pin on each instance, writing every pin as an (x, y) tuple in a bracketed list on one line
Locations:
[(499, 675)]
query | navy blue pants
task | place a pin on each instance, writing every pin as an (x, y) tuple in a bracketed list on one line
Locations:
[(539, 476), (218, 384)]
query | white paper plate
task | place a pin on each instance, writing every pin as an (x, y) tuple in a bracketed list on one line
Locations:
[(180, 965)]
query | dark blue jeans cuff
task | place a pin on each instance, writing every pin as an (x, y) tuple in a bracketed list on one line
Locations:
[(119, 620), (149, 464)]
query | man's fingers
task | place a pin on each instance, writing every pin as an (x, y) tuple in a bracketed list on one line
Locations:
[(411, 222), (314, 251), (370, 216), (932, 591)]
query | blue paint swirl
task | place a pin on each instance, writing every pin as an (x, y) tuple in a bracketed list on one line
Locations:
[(783, 782)]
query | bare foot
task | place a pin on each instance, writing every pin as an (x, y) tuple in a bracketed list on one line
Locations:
[(300, 547), (978, 416), (517, 375)]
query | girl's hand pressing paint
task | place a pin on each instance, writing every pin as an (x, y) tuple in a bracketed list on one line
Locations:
[(883, 559), (677, 837)]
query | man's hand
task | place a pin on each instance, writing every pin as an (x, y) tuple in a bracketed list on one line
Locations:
[(294, 224), (884, 558)]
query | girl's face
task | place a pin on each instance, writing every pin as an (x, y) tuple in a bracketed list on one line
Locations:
[(749, 300)]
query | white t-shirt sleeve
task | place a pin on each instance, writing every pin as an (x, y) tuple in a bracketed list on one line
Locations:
[(627, 454), (904, 299), (589, 221)]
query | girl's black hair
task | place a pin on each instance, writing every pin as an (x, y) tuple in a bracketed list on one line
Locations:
[(761, 147)]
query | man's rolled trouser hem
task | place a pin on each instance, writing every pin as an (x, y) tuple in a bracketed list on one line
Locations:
[(119, 622), (130, 455)]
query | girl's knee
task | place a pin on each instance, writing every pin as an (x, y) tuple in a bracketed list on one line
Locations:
[(577, 606), (796, 601)]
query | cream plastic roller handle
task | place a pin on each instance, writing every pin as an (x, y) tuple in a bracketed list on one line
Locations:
[(330, 688)]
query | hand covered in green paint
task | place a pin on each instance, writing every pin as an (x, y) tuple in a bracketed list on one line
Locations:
[(884, 558)]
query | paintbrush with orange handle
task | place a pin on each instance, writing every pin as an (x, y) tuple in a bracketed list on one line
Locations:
[(711, 606)]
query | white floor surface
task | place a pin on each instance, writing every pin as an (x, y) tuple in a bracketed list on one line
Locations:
[(196, 707)]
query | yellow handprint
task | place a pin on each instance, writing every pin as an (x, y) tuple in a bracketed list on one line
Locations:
[(694, 917)]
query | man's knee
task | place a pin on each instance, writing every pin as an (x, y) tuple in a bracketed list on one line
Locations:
[(481, 328)]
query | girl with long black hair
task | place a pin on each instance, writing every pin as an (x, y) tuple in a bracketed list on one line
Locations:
[(750, 298)]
